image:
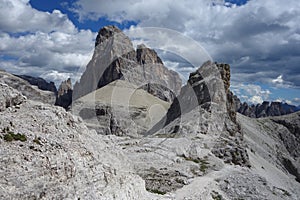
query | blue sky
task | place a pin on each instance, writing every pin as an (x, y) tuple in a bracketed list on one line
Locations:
[(259, 39)]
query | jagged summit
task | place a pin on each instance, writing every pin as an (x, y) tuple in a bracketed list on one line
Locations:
[(105, 33), (145, 55), (115, 58), (64, 94), (265, 109)]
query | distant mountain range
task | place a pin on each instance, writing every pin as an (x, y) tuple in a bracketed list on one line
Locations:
[(265, 109)]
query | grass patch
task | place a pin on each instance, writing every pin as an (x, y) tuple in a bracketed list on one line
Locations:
[(204, 164), (11, 136), (195, 160), (156, 191)]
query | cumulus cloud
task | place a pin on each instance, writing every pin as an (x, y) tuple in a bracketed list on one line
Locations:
[(36, 43), (251, 93), (19, 16), (278, 80), (296, 101), (259, 36)]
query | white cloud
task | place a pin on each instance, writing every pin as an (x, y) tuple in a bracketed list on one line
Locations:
[(296, 101), (251, 93), (47, 51), (278, 80), (57, 77), (19, 16), (256, 100), (51, 43)]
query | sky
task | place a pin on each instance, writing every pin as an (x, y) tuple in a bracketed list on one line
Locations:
[(259, 39)]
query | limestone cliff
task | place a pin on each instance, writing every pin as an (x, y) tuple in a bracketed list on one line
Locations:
[(64, 94), (115, 58)]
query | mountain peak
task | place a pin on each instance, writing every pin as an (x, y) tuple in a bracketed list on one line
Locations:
[(115, 58), (146, 55), (105, 33)]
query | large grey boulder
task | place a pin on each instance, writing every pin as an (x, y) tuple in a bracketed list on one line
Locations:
[(10, 97)]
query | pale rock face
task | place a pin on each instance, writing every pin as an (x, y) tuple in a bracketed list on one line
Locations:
[(58, 157), (30, 91), (274, 151), (120, 108), (113, 45), (64, 94), (116, 61), (115, 58), (205, 88), (205, 106)]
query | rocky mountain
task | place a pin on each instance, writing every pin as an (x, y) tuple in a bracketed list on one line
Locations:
[(115, 58), (265, 109), (124, 140), (39, 82), (32, 92), (64, 94)]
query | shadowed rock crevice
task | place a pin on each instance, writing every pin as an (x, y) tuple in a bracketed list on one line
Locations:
[(289, 166)]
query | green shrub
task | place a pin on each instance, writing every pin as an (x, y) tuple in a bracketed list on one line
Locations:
[(156, 191), (10, 136)]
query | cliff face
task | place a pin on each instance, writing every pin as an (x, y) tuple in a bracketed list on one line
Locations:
[(208, 85), (64, 94), (206, 106), (115, 58)]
